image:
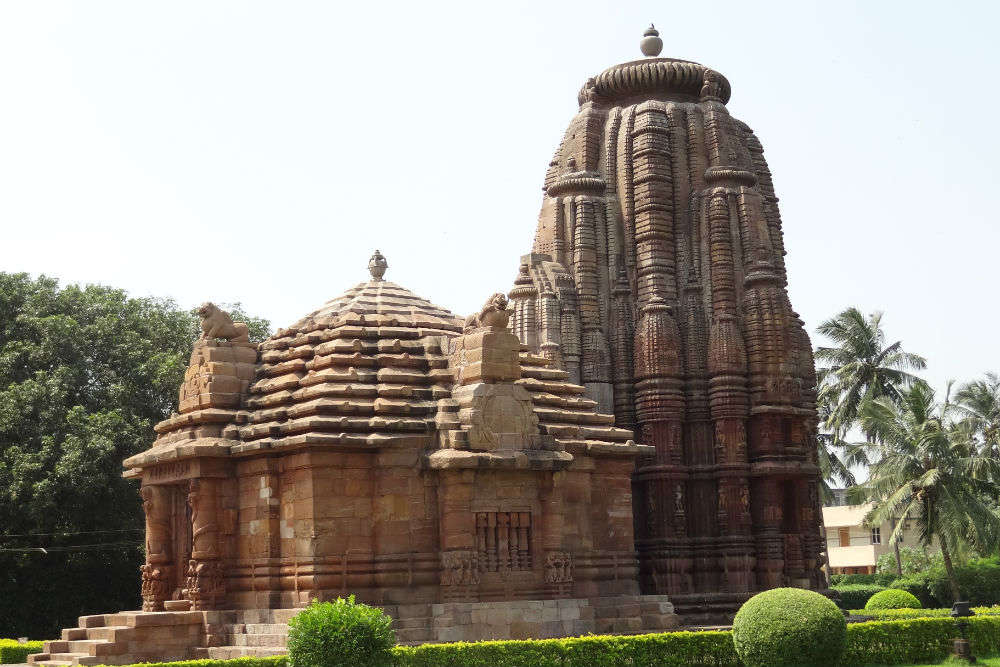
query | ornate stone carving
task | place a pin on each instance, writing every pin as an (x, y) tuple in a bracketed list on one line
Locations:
[(558, 567), (156, 505), (205, 584), (460, 568), (681, 270), (204, 518), (377, 266), (216, 323), (494, 314), (155, 586)]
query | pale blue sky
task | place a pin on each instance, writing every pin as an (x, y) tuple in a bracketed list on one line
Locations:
[(258, 152)]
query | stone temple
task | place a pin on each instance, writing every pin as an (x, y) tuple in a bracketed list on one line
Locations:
[(633, 430), (657, 281)]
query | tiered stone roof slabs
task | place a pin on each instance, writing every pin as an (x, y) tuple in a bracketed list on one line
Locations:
[(367, 370)]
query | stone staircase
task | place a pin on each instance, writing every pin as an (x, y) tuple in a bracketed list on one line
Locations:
[(132, 636), (253, 632), (125, 637)]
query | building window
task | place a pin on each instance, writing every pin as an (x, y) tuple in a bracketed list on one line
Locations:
[(876, 536), (845, 537), (503, 540)]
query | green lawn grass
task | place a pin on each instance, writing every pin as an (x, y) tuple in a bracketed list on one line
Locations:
[(986, 662)]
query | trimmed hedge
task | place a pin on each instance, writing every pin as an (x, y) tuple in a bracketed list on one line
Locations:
[(855, 596), (892, 598), (250, 661), (917, 585), (342, 633), (13, 652), (900, 642), (919, 640), (789, 627), (877, 579), (669, 649), (896, 614)]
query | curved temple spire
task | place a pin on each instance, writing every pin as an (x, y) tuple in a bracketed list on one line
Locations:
[(657, 281)]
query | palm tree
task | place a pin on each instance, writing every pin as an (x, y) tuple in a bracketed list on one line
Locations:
[(860, 367), (928, 470), (831, 465), (979, 402)]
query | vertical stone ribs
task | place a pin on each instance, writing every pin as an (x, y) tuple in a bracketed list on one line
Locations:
[(658, 281), (503, 540)]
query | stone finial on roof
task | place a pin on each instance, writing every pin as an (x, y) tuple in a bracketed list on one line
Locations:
[(377, 265), (651, 44)]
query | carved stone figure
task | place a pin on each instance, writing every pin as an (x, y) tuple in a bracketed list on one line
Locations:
[(204, 520), (494, 314), (558, 567), (460, 568), (156, 505), (155, 587), (216, 323), (205, 585)]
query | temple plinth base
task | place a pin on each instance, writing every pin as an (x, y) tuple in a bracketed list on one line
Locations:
[(135, 636)]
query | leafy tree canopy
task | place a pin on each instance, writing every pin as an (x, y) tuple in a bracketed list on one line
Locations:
[(85, 373)]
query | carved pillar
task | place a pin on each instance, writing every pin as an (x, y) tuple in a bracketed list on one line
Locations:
[(205, 578), (524, 297), (156, 572)]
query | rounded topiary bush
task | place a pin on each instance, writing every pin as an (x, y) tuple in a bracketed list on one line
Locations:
[(342, 633), (789, 627), (893, 599)]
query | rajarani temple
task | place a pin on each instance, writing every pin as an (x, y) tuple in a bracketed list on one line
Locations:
[(625, 442)]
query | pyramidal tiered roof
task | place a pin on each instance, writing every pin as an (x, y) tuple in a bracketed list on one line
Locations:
[(565, 413), (368, 369), (365, 369)]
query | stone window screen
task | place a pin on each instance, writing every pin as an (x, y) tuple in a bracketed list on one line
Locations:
[(503, 540)]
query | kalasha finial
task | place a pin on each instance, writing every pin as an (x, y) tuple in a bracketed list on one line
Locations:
[(651, 44), (377, 265)]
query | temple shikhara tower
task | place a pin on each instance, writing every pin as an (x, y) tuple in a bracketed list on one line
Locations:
[(657, 281), (632, 429)]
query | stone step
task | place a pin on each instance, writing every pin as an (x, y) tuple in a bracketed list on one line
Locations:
[(87, 646), (414, 635), (53, 663), (257, 628), (230, 652), (277, 641), (75, 658), (95, 621), (106, 633)]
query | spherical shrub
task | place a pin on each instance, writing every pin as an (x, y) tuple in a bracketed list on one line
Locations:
[(340, 634), (789, 627), (893, 599)]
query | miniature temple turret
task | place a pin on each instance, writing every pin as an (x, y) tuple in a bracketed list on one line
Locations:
[(660, 208)]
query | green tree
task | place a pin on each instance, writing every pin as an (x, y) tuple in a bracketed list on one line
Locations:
[(832, 467), (85, 373), (860, 366), (979, 403), (929, 471)]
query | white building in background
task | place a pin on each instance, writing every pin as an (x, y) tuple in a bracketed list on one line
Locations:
[(852, 547)]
